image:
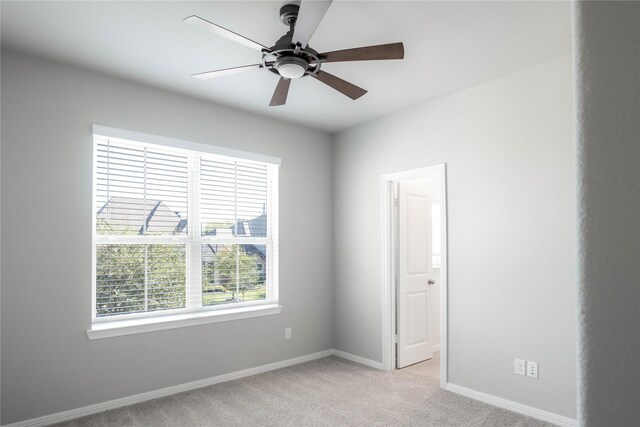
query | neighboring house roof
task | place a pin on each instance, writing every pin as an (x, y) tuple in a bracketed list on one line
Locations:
[(130, 214), (256, 227)]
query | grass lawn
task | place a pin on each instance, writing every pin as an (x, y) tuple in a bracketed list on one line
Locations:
[(213, 298)]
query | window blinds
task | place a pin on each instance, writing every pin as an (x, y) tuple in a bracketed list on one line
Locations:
[(233, 197), (180, 230), (140, 190)]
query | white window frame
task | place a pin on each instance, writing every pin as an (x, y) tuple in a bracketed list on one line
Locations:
[(193, 313)]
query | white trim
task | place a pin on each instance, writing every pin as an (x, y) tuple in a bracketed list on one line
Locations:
[(358, 359), (388, 284), (387, 297), (158, 323), (155, 394), (427, 171), (444, 279), (193, 313), (111, 132), (530, 411), (273, 224), (168, 391)]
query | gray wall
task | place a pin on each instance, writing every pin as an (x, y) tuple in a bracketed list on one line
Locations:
[(607, 54), (48, 364), (508, 145)]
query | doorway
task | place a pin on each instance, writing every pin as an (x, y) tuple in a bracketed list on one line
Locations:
[(414, 267)]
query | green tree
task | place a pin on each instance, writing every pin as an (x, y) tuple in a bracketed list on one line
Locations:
[(119, 279), (130, 275), (234, 269)]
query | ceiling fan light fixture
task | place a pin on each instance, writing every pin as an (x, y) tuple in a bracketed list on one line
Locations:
[(291, 67)]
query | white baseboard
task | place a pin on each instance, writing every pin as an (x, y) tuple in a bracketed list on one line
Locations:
[(167, 391), (154, 394), (513, 406), (357, 359)]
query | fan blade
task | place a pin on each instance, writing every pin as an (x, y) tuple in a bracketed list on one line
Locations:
[(309, 16), (367, 53), (223, 32), (224, 72), (352, 91), (281, 92)]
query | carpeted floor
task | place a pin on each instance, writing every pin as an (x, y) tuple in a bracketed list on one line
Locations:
[(324, 392)]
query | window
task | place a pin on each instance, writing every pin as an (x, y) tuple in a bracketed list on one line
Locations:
[(180, 230)]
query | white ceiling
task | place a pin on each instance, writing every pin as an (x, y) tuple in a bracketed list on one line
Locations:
[(449, 46)]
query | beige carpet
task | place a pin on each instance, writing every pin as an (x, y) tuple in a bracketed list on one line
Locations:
[(324, 392)]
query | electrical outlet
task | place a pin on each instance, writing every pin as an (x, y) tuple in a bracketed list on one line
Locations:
[(287, 333), (520, 367), (532, 369)]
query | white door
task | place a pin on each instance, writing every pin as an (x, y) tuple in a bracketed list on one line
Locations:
[(415, 272)]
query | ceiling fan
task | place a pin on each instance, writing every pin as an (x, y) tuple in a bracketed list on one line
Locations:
[(291, 57)]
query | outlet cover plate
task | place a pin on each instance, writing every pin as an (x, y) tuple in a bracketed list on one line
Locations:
[(532, 369), (520, 368)]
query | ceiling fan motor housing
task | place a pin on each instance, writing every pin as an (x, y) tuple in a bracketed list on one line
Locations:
[(287, 60), (289, 14)]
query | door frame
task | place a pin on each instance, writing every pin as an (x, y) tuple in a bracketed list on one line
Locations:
[(389, 265)]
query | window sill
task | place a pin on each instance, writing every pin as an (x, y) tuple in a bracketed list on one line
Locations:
[(128, 327)]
